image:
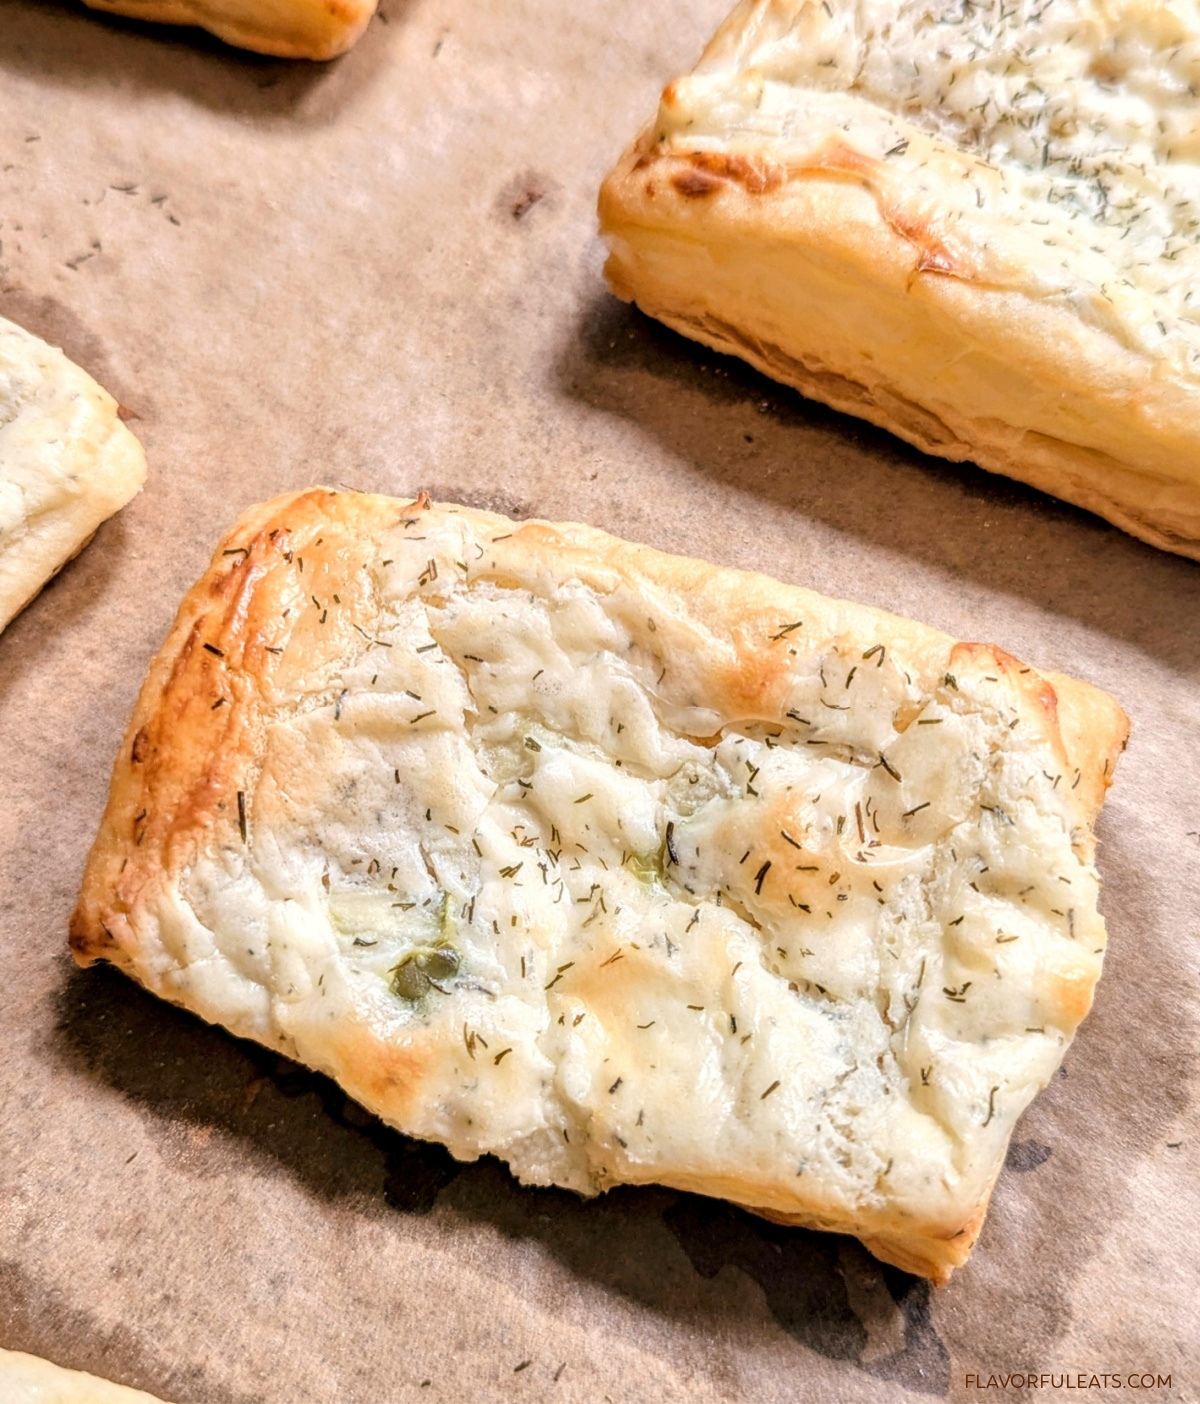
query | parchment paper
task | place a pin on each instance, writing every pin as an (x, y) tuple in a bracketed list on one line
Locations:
[(384, 273)]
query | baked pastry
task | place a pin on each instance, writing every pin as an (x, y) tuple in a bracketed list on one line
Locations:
[(27, 1379), (66, 463), (308, 29), (617, 865), (970, 223)]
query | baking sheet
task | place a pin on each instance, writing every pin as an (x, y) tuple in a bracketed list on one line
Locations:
[(384, 273)]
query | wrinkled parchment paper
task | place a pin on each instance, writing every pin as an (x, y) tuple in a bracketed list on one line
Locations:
[(384, 273)]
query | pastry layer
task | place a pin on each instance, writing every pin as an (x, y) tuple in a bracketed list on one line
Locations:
[(311, 29), (618, 865), (66, 463), (27, 1379), (971, 224)]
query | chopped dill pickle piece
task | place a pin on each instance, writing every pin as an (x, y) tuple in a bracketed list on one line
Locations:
[(422, 967), (440, 964)]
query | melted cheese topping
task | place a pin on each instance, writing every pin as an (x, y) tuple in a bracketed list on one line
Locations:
[(821, 958), (1060, 137)]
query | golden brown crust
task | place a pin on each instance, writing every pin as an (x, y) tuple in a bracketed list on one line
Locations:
[(183, 757), (949, 358), (190, 771), (306, 29)]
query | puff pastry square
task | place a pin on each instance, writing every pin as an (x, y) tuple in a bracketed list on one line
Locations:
[(66, 463), (308, 29), (972, 222), (617, 865)]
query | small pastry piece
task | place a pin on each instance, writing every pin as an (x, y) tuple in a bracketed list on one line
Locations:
[(973, 224), (27, 1379), (617, 865), (66, 463), (307, 29)]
